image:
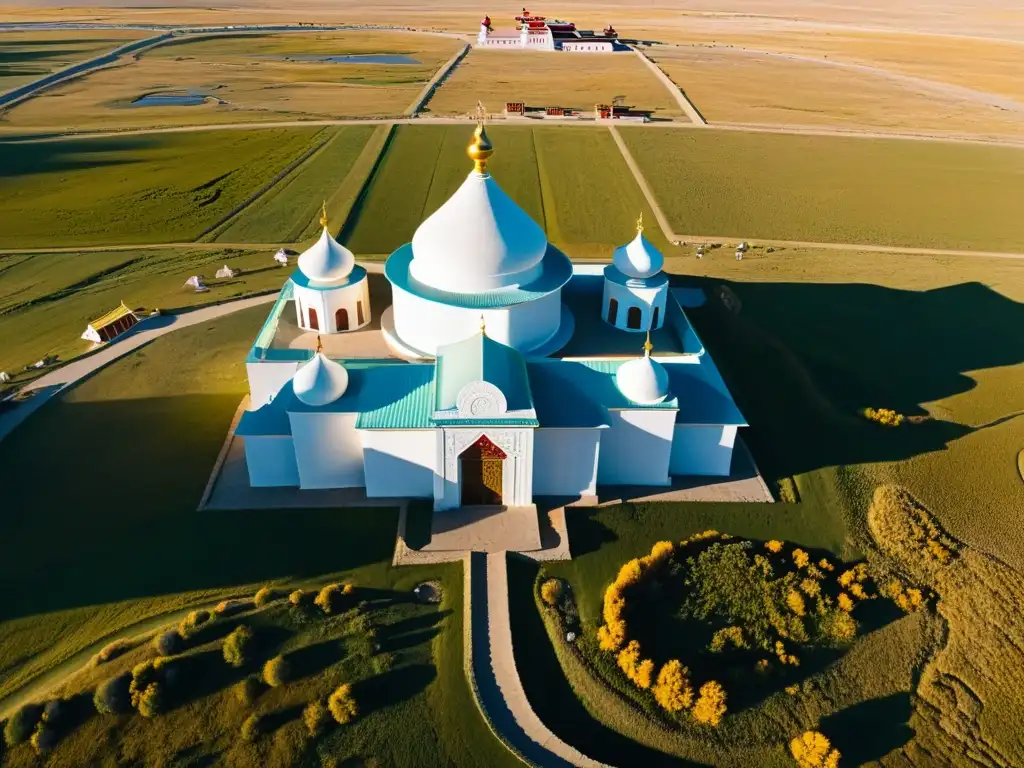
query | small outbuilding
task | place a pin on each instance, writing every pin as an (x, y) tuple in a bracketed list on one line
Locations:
[(227, 271), (196, 282), (111, 325), (281, 257), (5, 377)]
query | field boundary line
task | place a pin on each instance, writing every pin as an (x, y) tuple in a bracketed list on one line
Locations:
[(895, 249), (688, 107), (355, 209), (280, 176), (652, 201), (435, 82), (222, 455)]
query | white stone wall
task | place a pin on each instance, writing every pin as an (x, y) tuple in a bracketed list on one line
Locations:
[(565, 461), (702, 450), (425, 325), (266, 379), (271, 462), (637, 447), (585, 46), (647, 299), (399, 462), (517, 477), (327, 303), (328, 450)]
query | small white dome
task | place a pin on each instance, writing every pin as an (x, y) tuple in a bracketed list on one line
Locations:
[(321, 381), (643, 381), (479, 240), (638, 258), (327, 260)]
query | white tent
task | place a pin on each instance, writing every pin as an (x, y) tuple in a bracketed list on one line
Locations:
[(227, 271), (281, 257), (196, 281), (111, 325), (4, 377)]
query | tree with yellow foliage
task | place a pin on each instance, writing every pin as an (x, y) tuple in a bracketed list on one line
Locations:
[(641, 672), (710, 704), (672, 690), (814, 750)]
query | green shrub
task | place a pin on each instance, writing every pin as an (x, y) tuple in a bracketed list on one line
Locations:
[(331, 598), (383, 662), (276, 672), (113, 650), (194, 622), (265, 597), (238, 646), (52, 711), (19, 727), (343, 704), (146, 690), (248, 690), (298, 597), (252, 727), (112, 697), (316, 717), (228, 607), (44, 739), (167, 643), (710, 704), (884, 416)]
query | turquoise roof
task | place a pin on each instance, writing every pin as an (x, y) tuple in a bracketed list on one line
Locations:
[(299, 278), (481, 358), (557, 271), (614, 275), (591, 379), (561, 399)]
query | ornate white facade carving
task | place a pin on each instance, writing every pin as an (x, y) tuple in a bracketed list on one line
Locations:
[(517, 478), (481, 400)]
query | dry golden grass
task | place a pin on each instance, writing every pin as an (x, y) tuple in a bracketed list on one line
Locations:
[(549, 79), (26, 56), (251, 78), (734, 86), (971, 688)]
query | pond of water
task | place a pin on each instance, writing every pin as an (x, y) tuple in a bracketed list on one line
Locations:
[(169, 100)]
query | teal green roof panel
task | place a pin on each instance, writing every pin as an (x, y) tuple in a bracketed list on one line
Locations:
[(561, 398), (357, 274), (481, 358), (397, 397), (556, 273)]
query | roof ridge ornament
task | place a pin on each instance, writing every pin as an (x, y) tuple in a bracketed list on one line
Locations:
[(640, 223), (319, 344), (483, 325), (323, 215), (480, 149), (647, 345)]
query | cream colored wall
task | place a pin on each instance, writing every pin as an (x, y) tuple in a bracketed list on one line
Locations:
[(399, 462), (328, 450), (637, 447)]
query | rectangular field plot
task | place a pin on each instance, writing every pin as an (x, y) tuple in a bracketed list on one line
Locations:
[(542, 79), (752, 87), (834, 189), (570, 180), (27, 56), (136, 189), (290, 210), (245, 78)]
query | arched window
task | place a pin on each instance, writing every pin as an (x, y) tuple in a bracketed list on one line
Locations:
[(633, 318), (341, 319), (359, 313), (312, 320), (613, 311), (654, 320)]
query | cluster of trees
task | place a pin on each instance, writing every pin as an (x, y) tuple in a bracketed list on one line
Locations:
[(814, 750)]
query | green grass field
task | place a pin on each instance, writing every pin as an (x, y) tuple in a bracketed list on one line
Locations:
[(127, 552), (289, 212), (835, 189), (572, 181), (162, 188), (46, 300)]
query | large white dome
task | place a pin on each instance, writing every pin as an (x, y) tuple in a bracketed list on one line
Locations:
[(320, 382), (638, 258), (327, 260), (643, 380), (479, 240)]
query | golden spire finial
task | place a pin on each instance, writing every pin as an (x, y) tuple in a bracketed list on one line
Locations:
[(647, 345), (323, 215), (480, 148), (483, 325), (319, 344), (640, 223)]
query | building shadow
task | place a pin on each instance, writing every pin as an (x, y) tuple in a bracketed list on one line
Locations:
[(802, 360)]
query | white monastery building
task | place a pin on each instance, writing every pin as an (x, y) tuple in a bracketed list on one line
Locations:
[(537, 33), (500, 372)]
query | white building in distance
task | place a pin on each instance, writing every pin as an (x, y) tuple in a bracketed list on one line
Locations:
[(538, 33), (494, 379)]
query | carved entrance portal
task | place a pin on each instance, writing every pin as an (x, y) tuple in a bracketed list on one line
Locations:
[(482, 466)]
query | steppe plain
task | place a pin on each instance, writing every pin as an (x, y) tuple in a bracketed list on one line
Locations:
[(833, 130)]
